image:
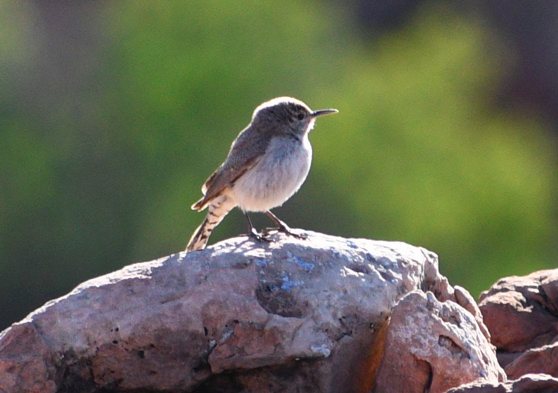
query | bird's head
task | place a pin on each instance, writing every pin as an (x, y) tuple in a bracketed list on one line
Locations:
[(289, 115)]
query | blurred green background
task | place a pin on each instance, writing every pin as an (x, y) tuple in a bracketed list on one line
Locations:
[(112, 114)]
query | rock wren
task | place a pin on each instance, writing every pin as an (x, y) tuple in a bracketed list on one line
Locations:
[(266, 165)]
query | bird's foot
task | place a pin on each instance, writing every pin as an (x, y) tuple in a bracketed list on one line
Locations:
[(287, 231), (259, 238)]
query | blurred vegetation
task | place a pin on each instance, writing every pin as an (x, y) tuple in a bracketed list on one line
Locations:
[(101, 175)]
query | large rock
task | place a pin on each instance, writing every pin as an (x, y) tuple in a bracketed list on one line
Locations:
[(289, 316), (427, 341), (522, 316)]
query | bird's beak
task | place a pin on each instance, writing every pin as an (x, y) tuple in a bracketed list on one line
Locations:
[(323, 112)]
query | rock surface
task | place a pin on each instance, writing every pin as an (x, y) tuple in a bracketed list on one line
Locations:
[(530, 383), (428, 340), (522, 316), (290, 316)]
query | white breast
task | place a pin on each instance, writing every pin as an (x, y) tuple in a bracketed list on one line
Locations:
[(276, 177)]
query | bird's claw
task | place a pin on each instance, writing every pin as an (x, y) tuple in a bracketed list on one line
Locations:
[(287, 231), (301, 236), (256, 236)]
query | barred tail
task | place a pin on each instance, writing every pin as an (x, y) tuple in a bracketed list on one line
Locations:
[(218, 209), (200, 237)]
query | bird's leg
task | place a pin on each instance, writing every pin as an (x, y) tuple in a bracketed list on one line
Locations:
[(282, 227), (252, 232)]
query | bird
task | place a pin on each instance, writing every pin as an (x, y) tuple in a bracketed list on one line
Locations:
[(267, 163)]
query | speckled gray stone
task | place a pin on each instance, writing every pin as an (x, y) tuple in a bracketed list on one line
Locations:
[(292, 315)]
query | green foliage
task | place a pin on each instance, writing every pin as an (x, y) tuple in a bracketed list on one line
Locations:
[(418, 152), (430, 161)]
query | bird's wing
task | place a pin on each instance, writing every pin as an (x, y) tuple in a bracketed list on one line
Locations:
[(245, 152)]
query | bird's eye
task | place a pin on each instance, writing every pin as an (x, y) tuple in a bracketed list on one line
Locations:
[(300, 116)]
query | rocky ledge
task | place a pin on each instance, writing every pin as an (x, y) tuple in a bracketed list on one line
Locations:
[(326, 314)]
